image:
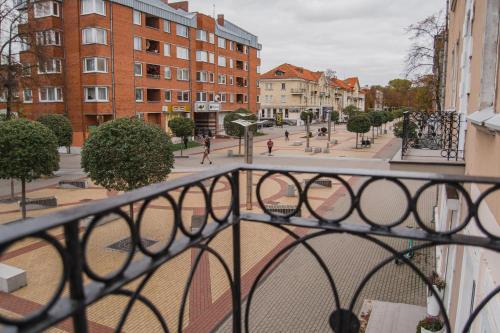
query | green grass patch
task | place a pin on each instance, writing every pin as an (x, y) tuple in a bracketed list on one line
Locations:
[(191, 144)]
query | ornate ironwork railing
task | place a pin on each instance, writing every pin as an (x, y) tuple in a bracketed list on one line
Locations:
[(432, 131), (81, 286)]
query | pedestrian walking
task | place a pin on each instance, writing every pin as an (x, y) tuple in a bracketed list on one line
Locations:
[(207, 143), (287, 135), (270, 145), (206, 152)]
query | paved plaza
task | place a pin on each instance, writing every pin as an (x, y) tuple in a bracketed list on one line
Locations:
[(294, 297)]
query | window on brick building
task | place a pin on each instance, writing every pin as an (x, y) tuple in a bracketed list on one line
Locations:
[(47, 8), (201, 35), (166, 49), (27, 96), (139, 95), (50, 94), (222, 97), (211, 38), (231, 80), (202, 56), (137, 69), (222, 61), (211, 77), (94, 36), (152, 21), (96, 94), (168, 73), (182, 53), (166, 26), (201, 96), (167, 95), (137, 17), (221, 42), (48, 37), (182, 74), (93, 7), (202, 76), (231, 63), (222, 79), (153, 95), (50, 66), (183, 96), (95, 65), (137, 43), (152, 46), (231, 98), (211, 58), (182, 30), (153, 71)]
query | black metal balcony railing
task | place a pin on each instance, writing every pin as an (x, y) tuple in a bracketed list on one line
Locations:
[(433, 131), (86, 287)]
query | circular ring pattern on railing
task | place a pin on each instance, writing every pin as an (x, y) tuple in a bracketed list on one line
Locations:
[(406, 193), (173, 232), (211, 198), (42, 312), (205, 215), (313, 211), (261, 202), (479, 223), (130, 254), (460, 188)]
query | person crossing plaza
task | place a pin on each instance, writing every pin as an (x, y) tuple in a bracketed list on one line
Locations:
[(270, 145), (287, 136), (206, 152)]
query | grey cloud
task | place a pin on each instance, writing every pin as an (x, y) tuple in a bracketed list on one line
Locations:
[(354, 37)]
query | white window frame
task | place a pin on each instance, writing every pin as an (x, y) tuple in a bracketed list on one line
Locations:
[(231, 45), (222, 79), (201, 56), (94, 36), (231, 80), (48, 37), (201, 35), (56, 66), (201, 96), (202, 76), (222, 97), (140, 66), (211, 57), (166, 49), (231, 63), (182, 74), (183, 49), (137, 38), (27, 101), (94, 7), (95, 60), (211, 38), (57, 95), (97, 90), (142, 95), (231, 98), (182, 92), (221, 42), (221, 59), (165, 96), (166, 26), (167, 73), (46, 9), (180, 27), (137, 17)]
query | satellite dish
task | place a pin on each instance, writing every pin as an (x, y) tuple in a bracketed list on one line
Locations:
[(217, 98)]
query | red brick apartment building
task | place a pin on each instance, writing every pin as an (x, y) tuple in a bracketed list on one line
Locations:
[(149, 59)]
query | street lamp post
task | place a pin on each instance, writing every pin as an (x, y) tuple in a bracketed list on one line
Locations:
[(329, 115)]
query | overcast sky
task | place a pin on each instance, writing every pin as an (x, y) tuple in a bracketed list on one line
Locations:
[(364, 38)]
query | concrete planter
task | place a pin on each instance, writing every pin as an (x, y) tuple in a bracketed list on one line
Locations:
[(432, 302), (423, 330)]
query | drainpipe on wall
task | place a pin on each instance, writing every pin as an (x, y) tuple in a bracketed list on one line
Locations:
[(113, 99)]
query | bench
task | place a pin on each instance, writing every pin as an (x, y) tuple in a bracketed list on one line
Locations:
[(282, 209), (308, 149), (73, 184), (317, 150), (319, 183), (40, 203), (11, 278), (297, 143)]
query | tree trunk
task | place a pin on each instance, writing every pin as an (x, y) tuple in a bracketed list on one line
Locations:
[(68, 149), (373, 134), (12, 193), (356, 140), (23, 198), (239, 146), (307, 133)]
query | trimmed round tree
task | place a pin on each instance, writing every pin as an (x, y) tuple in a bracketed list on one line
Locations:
[(126, 154), (351, 111), (61, 126), (334, 116), (377, 119), (28, 150), (359, 124), (306, 116), (388, 117), (182, 127), (236, 130)]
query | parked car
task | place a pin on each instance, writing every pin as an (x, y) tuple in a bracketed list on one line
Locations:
[(268, 123)]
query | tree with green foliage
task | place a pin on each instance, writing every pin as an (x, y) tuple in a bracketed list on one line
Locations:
[(359, 124), (126, 154), (398, 130), (236, 130), (182, 127), (28, 150), (351, 111), (388, 117), (61, 126), (398, 113), (335, 116), (377, 119)]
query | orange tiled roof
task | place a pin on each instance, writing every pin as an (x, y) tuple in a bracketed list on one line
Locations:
[(291, 72), (351, 81), (340, 84)]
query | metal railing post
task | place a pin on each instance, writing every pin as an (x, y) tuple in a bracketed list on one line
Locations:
[(75, 276), (405, 134), (236, 253)]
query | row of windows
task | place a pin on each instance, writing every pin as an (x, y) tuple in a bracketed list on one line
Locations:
[(183, 96), (53, 8)]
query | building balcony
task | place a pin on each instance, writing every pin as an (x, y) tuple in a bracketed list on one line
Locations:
[(298, 91), (191, 259)]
